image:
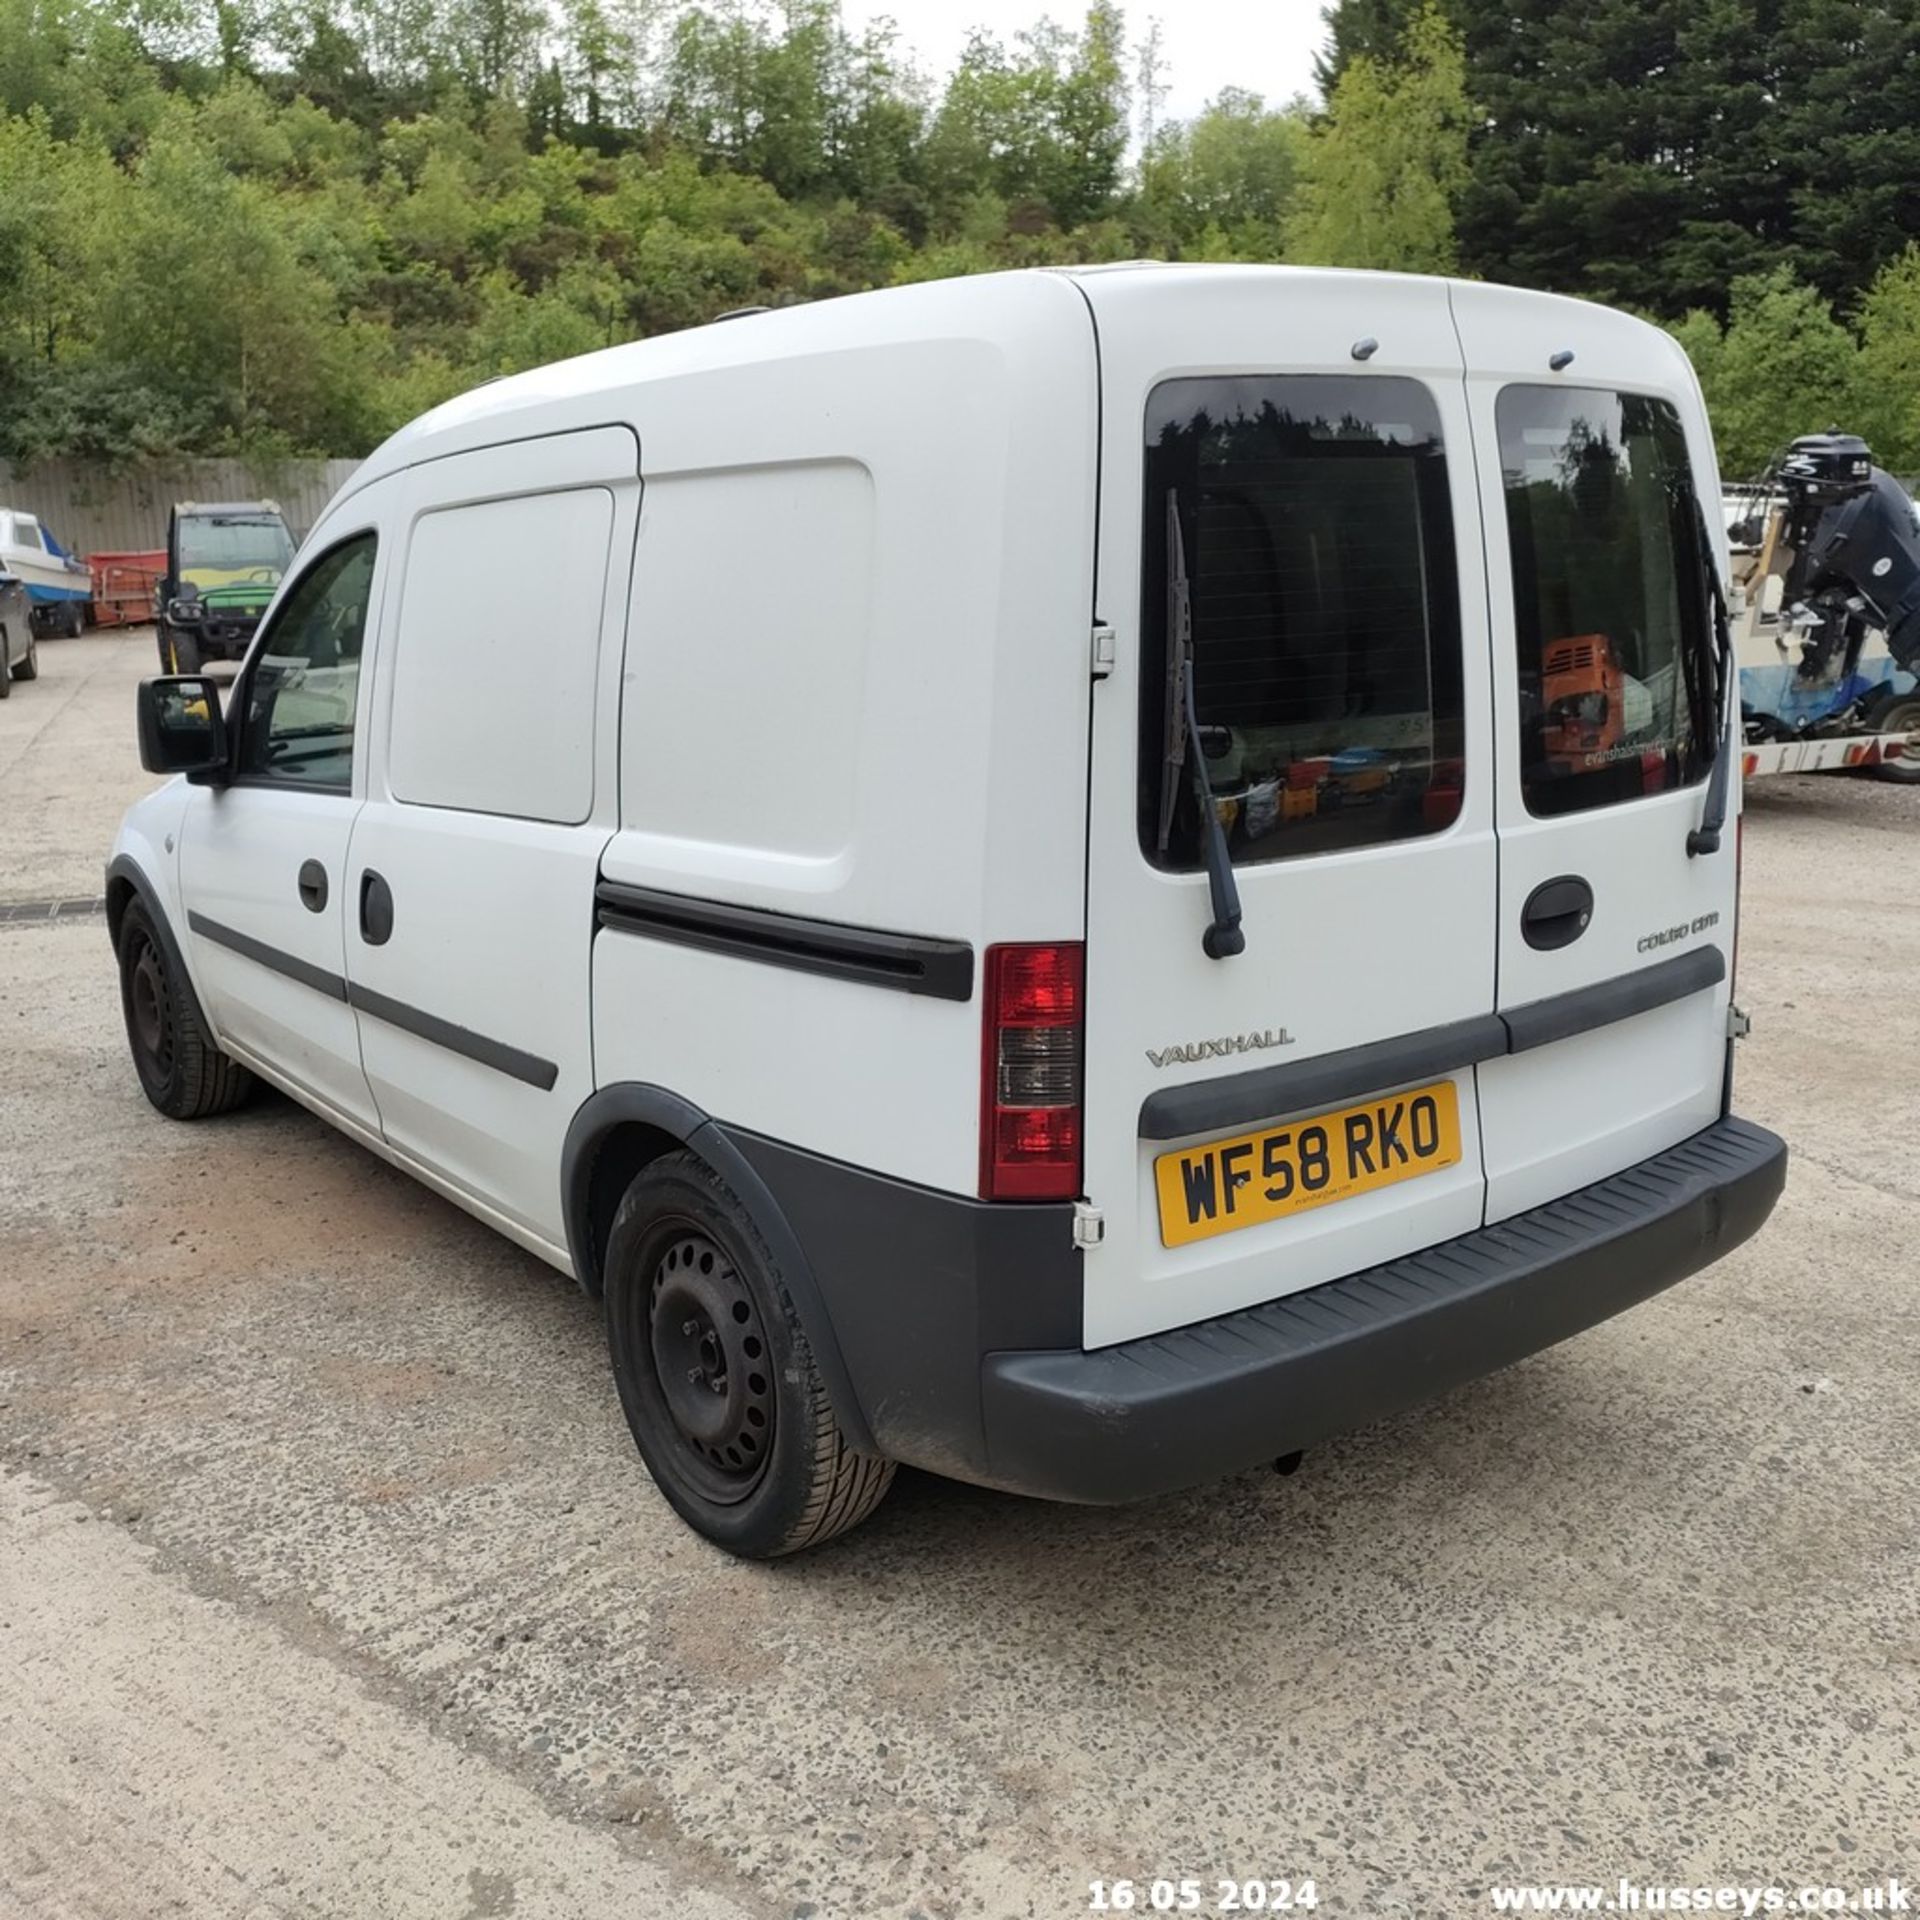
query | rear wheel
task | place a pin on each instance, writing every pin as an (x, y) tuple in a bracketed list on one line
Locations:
[(181, 1070), (1901, 715), (6, 660), (715, 1374), (29, 666)]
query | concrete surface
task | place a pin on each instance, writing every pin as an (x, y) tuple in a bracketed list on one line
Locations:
[(330, 1582), (68, 763)]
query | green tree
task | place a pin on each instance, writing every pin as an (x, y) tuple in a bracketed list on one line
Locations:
[(1889, 369), (596, 69), (1782, 367), (1654, 151), (1354, 27), (210, 305), (1222, 186), (58, 201), (282, 223), (493, 45), (875, 123), (1043, 125), (1088, 118), (1383, 171)]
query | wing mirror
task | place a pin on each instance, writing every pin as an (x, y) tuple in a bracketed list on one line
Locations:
[(181, 726)]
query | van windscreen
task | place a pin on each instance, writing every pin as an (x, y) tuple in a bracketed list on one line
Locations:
[(1320, 590), (1609, 597)]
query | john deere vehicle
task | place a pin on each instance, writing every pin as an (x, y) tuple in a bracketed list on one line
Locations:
[(224, 561)]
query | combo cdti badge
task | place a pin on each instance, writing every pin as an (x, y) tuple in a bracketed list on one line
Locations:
[(1078, 878)]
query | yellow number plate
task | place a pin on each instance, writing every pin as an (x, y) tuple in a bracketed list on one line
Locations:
[(1307, 1163)]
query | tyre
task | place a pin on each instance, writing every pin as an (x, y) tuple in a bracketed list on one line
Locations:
[(1901, 714), (718, 1382), (181, 1070), (29, 664), (76, 620), (179, 650), (6, 660)]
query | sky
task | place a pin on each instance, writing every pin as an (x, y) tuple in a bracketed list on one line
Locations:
[(1266, 46)]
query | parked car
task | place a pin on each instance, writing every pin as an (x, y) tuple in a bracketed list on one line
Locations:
[(735, 813), (224, 561), (19, 647), (57, 585)]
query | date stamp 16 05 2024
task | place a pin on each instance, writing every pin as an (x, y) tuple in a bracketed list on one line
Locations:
[(1210, 1895)]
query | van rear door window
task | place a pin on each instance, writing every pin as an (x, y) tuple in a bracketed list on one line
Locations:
[(1317, 536), (1614, 655)]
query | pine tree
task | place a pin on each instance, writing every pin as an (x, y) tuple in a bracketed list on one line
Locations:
[(1654, 151)]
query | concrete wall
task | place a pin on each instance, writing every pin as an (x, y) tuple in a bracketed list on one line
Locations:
[(91, 508)]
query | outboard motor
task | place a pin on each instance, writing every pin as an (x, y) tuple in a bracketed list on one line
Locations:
[(1856, 555)]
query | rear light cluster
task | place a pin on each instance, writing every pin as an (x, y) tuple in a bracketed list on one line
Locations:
[(1030, 1073)]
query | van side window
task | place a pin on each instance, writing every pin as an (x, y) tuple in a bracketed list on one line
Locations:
[(1609, 598), (301, 687), (1315, 532), (496, 654)]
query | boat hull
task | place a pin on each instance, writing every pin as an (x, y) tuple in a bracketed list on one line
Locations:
[(47, 580)]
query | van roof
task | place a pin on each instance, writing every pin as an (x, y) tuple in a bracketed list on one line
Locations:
[(987, 307)]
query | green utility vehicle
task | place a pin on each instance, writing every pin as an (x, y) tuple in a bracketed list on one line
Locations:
[(224, 563)]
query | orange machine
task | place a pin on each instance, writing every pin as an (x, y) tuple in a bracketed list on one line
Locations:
[(1584, 693)]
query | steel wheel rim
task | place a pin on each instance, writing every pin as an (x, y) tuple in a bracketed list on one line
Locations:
[(148, 1007), (713, 1363)]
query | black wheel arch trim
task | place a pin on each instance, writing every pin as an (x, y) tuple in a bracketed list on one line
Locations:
[(124, 869), (633, 1102)]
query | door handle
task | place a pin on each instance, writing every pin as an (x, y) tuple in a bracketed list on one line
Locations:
[(1557, 912), (313, 885), (376, 909)]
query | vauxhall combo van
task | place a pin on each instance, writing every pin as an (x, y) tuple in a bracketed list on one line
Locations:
[(1079, 879)]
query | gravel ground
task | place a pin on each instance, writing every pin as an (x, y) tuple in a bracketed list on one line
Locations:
[(330, 1582)]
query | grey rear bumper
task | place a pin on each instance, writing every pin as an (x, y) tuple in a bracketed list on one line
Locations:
[(1168, 1411)]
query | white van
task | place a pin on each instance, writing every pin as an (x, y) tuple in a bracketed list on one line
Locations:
[(1078, 879)]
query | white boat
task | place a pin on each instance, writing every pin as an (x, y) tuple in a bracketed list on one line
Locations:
[(57, 585)]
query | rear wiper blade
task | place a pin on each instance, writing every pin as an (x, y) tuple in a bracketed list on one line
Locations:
[(1223, 936), (1705, 838)]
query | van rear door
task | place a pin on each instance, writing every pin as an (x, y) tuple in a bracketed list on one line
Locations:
[(1615, 943), (1266, 1122)]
